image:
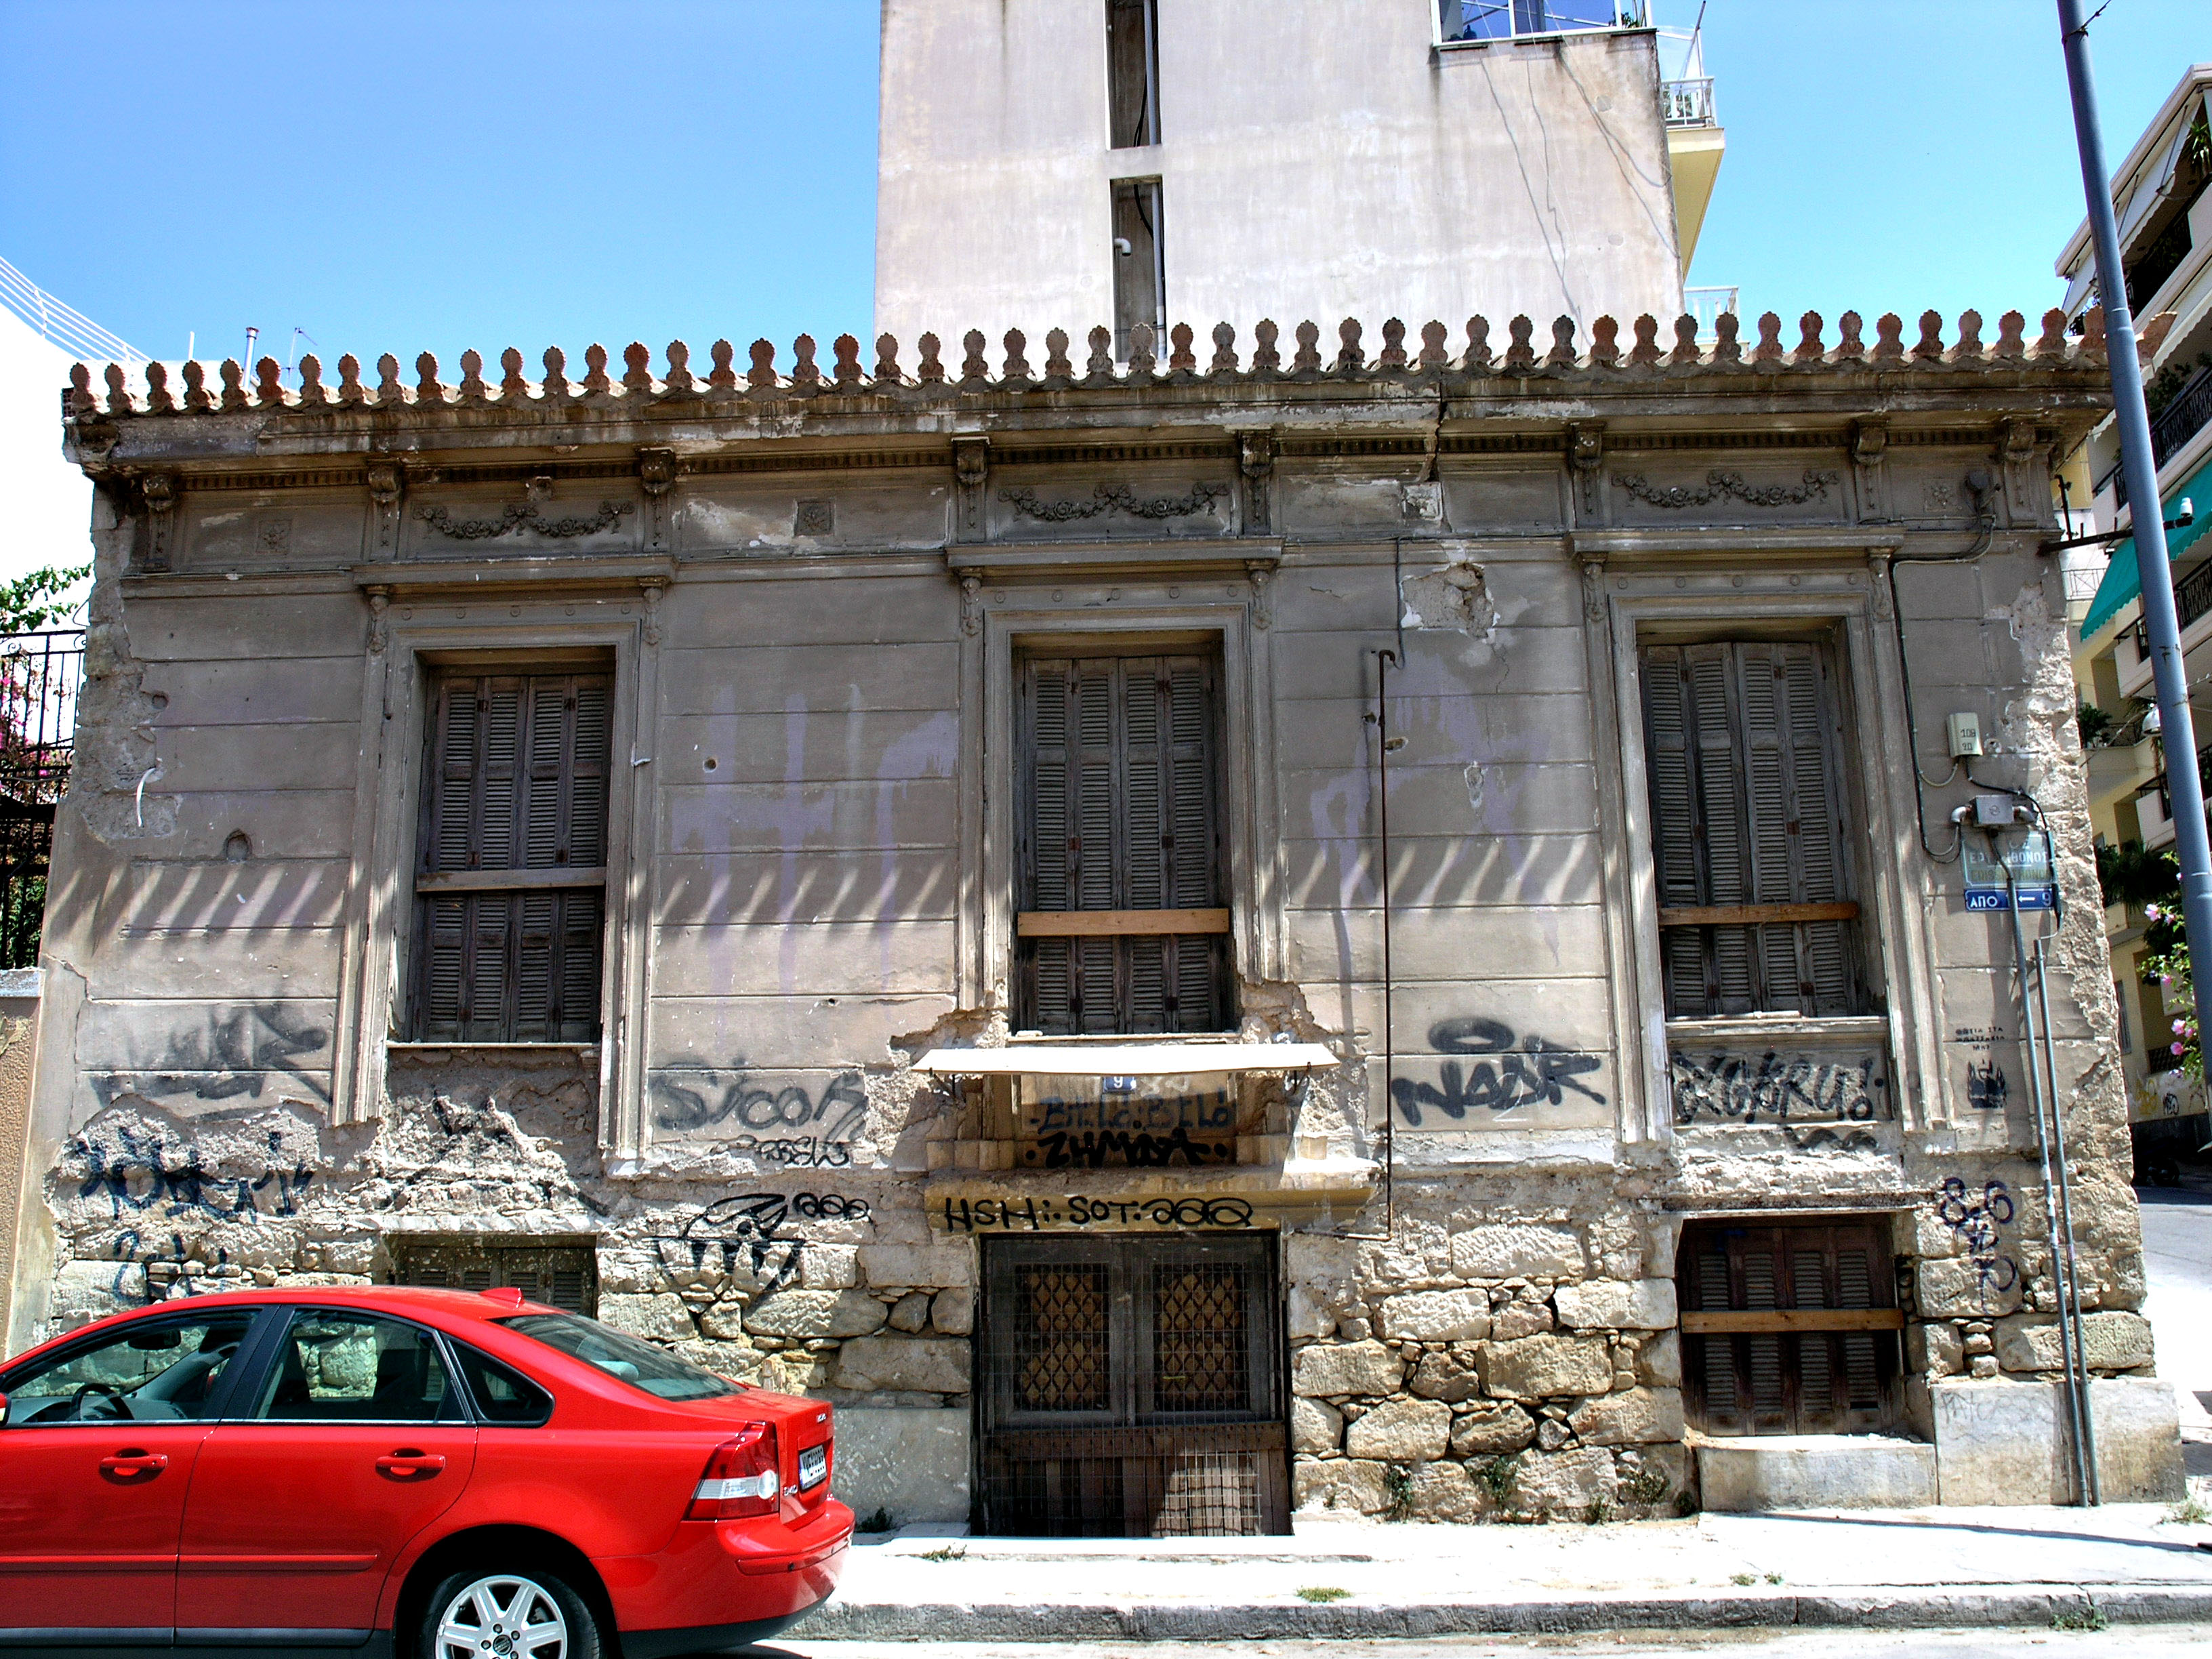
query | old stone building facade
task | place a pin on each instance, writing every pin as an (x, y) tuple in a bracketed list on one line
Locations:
[(1280, 927)]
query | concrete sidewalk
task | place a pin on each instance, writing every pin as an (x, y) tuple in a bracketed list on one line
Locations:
[(1897, 1569)]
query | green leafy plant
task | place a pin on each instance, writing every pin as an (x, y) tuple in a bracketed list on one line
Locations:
[(1645, 1487), (2090, 1617), (945, 1553), (33, 601), (1398, 1487), (1744, 1578), (1323, 1593), (1773, 1578), (1598, 1513), (1498, 1475), (2189, 1512)]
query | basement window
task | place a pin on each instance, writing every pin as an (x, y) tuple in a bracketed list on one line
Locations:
[(1789, 1327), (1140, 268), (510, 884), (564, 1276), (1133, 72), (1750, 841)]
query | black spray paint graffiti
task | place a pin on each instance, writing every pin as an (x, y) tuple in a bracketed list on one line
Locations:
[(141, 1172), (1534, 1072), (1974, 1223), (233, 1054), (788, 1127), (1784, 1092), (1100, 1149), (745, 1238), (1986, 1086), (169, 1272)]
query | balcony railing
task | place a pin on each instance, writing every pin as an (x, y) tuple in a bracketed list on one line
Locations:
[(1689, 103), (40, 674), (1706, 305), (2183, 417), (1469, 21)]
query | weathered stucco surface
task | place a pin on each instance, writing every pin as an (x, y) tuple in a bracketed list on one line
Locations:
[(810, 595)]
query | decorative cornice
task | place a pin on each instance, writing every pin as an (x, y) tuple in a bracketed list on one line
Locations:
[(1720, 484), (1115, 498), (1471, 370)]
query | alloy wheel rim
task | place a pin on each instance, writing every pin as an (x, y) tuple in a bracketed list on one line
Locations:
[(503, 1616)]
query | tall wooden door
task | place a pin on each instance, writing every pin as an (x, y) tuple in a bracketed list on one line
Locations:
[(1131, 1387)]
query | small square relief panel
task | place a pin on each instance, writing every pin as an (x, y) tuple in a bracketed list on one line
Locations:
[(814, 519)]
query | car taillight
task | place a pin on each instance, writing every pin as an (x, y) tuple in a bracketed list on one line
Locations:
[(741, 1478)]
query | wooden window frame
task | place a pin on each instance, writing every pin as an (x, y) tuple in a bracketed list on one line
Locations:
[(1838, 916), (1020, 619), (563, 624), (1179, 928), (438, 890), (1833, 586)]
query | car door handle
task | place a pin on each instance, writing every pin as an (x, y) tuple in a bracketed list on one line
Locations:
[(408, 1465), (131, 1464)]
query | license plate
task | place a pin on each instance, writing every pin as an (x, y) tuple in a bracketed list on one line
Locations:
[(813, 1466)]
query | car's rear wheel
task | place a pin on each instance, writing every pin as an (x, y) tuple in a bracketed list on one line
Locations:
[(507, 1614)]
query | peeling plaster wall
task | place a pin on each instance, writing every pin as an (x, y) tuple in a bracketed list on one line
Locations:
[(1511, 1350)]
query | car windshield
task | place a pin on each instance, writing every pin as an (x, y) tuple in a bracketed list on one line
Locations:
[(638, 1364)]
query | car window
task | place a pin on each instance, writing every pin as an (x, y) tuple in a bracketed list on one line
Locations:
[(158, 1372), (339, 1367), (503, 1394), (638, 1364)]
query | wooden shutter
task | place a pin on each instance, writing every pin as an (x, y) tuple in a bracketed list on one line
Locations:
[(1743, 743), (1119, 811), (517, 782), (564, 1276), (1791, 1382)]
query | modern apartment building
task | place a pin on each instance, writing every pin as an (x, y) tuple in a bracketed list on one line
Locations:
[(1077, 162), (2160, 192)]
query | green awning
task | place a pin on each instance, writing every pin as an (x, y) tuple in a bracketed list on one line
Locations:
[(2123, 578)]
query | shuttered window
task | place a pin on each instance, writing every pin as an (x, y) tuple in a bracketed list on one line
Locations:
[(564, 1276), (1123, 927), (1808, 1380), (511, 886), (1744, 751)]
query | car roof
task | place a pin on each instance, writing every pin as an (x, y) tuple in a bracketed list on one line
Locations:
[(423, 1301)]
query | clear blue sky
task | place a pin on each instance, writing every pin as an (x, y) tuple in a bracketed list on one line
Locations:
[(392, 175)]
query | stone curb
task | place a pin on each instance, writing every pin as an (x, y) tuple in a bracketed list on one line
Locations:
[(1885, 1608)]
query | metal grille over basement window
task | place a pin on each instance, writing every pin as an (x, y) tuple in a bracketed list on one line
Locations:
[(1744, 751), (511, 886), (1121, 928)]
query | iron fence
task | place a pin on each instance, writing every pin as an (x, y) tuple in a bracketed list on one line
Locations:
[(40, 676)]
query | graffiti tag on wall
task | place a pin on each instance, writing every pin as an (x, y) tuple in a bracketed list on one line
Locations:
[(143, 1172), (1075, 1211), (749, 1239), (233, 1053), (786, 1127), (1785, 1091), (1505, 1072), (1974, 1220)]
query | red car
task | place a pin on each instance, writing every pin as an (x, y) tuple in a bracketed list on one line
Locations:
[(427, 1474)]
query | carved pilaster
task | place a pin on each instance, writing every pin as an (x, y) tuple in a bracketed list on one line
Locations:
[(158, 491), (971, 604), (1869, 438), (379, 625), (1586, 458), (1878, 569), (1593, 587), (2017, 455), (656, 471), (1263, 611), (971, 471), (1256, 461), (387, 483), (655, 588)]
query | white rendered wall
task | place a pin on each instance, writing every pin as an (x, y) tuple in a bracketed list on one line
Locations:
[(1318, 158)]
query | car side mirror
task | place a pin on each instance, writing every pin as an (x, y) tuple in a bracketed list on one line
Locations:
[(3, 1411)]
